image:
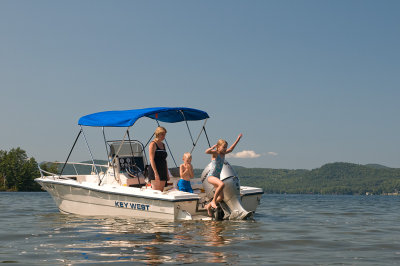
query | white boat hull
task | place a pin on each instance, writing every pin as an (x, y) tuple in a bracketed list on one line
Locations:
[(118, 187), (89, 199)]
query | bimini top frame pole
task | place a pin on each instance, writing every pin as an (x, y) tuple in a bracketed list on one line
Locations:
[(91, 155), (66, 161), (166, 142), (127, 118), (198, 137)]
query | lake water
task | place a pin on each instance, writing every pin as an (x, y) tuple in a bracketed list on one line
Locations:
[(287, 230)]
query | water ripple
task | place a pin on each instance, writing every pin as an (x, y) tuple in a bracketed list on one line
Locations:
[(287, 230)]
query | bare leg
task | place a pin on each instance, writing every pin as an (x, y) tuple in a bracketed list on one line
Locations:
[(219, 186), (220, 197), (158, 185)]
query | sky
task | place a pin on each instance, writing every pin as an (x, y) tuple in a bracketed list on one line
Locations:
[(306, 82)]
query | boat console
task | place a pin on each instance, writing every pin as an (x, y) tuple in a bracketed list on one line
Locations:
[(129, 161)]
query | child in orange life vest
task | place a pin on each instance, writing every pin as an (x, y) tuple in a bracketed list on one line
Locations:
[(186, 173)]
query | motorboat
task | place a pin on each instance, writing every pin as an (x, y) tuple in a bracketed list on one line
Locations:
[(119, 187)]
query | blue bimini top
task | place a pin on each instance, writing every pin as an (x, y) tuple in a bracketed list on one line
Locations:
[(126, 118)]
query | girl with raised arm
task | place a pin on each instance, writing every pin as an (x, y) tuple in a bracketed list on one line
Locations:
[(218, 152)]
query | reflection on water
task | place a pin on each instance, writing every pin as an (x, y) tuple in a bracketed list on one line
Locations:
[(214, 237), (82, 239), (286, 230)]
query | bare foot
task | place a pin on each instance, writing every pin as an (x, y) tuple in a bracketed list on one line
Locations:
[(212, 203), (208, 207)]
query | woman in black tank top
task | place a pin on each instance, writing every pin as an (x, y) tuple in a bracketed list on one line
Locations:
[(158, 170)]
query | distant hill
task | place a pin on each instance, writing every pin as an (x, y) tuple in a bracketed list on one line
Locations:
[(377, 166), (331, 178)]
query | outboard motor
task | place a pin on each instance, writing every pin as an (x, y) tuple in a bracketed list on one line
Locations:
[(231, 205)]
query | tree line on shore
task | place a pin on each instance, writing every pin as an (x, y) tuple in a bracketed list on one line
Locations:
[(17, 173), (333, 178)]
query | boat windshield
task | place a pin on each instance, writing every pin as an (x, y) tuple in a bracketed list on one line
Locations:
[(126, 148)]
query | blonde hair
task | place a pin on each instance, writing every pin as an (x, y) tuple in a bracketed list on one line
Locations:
[(187, 155), (159, 131), (221, 142)]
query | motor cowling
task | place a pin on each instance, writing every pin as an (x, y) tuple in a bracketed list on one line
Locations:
[(231, 205)]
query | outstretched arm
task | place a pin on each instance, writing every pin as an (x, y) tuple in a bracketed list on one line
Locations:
[(211, 149), (234, 144)]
